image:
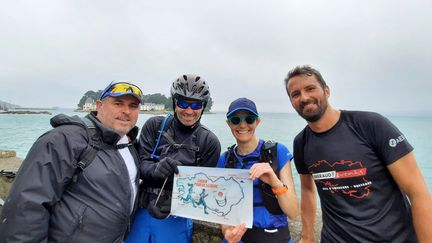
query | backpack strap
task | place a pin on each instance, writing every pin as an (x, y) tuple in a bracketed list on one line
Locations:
[(91, 150), (231, 160), (268, 154), (171, 141), (197, 141), (160, 133), (163, 132)]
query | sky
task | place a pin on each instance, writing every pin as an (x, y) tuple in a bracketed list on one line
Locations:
[(374, 54)]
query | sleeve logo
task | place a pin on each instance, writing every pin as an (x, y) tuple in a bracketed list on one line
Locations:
[(393, 142)]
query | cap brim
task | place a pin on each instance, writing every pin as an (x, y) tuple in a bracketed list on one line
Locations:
[(242, 109), (126, 93)]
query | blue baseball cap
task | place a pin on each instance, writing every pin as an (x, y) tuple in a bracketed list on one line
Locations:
[(242, 104)]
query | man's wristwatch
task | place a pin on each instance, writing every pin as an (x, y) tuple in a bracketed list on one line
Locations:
[(280, 190)]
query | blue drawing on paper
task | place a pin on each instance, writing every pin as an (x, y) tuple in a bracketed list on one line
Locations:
[(218, 195), (222, 204)]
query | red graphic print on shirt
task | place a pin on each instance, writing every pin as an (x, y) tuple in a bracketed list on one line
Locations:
[(345, 177)]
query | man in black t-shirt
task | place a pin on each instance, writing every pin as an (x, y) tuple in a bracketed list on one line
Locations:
[(362, 167)]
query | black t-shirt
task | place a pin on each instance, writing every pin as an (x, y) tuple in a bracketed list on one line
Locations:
[(360, 200)]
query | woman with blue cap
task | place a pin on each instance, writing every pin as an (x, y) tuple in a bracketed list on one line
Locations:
[(269, 165)]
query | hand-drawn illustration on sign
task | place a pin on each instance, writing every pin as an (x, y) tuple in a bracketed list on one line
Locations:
[(216, 195)]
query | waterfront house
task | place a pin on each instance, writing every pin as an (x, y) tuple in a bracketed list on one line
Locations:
[(89, 105), (152, 107)]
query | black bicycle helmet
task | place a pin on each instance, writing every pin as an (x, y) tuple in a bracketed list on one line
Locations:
[(192, 87)]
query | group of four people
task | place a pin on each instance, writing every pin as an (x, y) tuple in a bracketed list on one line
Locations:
[(90, 180)]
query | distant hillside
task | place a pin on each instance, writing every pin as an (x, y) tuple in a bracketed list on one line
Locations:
[(5, 105), (157, 98)]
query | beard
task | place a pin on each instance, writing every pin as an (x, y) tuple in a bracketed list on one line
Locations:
[(316, 114)]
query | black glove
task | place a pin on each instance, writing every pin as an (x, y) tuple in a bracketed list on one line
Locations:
[(166, 167), (162, 209)]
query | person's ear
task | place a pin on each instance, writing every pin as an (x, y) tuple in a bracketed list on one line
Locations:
[(327, 91), (258, 120), (98, 104)]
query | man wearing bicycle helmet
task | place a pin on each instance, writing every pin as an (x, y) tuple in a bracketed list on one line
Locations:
[(165, 143)]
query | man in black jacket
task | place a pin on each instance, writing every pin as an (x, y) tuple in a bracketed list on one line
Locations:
[(182, 141), (56, 197)]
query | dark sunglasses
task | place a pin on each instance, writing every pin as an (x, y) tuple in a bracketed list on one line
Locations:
[(194, 106), (249, 119)]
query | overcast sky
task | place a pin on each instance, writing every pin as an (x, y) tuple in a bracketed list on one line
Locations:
[(374, 54)]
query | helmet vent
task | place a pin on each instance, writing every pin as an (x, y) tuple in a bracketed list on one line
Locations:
[(191, 87)]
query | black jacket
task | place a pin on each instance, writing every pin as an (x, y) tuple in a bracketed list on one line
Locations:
[(44, 205), (200, 136)]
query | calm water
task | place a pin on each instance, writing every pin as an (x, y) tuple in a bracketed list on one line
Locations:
[(18, 132)]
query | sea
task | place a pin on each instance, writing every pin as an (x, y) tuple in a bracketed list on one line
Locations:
[(18, 132)]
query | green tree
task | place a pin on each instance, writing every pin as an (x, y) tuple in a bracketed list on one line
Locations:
[(209, 105), (168, 104), (89, 94), (157, 98)]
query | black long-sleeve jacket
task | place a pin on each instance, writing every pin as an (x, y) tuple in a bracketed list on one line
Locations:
[(44, 205), (198, 136)]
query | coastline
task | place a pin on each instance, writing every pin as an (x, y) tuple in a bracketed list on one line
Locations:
[(141, 111), (163, 112), (25, 112)]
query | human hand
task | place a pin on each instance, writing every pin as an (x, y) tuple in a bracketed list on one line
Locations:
[(161, 210), (166, 167), (265, 173), (233, 234)]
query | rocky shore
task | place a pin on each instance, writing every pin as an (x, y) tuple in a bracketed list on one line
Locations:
[(9, 165), (25, 112), (204, 232)]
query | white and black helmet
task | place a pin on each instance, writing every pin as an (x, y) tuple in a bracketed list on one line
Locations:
[(191, 86)]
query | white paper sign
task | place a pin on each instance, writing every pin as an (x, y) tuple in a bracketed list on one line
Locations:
[(217, 195)]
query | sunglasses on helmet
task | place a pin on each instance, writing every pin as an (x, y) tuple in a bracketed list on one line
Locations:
[(236, 120), (193, 105), (122, 88)]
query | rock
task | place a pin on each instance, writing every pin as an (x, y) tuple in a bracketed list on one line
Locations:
[(9, 165), (295, 227), (206, 232), (26, 112), (7, 154), (8, 161)]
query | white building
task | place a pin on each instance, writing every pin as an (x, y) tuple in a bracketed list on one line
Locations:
[(89, 105), (152, 107)]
